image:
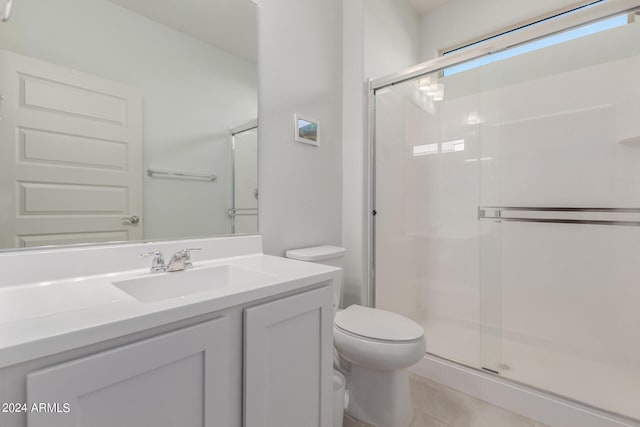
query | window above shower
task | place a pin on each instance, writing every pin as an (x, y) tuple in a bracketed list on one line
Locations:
[(541, 43)]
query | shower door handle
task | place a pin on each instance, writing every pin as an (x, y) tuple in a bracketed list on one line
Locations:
[(616, 216)]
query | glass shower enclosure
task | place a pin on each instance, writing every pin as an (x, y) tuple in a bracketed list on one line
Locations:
[(507, 192), (244, 149)]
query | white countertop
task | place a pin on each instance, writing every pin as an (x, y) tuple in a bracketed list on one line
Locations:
[(44, 318)]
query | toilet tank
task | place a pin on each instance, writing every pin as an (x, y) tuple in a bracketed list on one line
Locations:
[(328, 255)]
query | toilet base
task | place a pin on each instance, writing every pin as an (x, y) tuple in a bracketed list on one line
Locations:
[(380, 398)]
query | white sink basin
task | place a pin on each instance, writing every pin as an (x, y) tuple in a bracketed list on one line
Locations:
[(161, 286)]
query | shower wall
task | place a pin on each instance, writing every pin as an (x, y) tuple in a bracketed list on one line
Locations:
[(552, 305)]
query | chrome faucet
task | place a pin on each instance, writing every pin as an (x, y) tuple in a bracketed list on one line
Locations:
[(157, 264), (180, 261)]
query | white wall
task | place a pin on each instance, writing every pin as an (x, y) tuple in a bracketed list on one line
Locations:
[(354, 208), (391, 37), (182, 80), (300, 62), (380, 37), (459, 21)]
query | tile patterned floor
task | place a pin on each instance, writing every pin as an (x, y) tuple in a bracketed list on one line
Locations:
[(439, 406)]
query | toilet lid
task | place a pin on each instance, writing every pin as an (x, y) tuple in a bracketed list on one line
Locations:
[(377, 324)]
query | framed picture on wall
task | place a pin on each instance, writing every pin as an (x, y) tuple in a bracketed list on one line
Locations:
[(306, 130)]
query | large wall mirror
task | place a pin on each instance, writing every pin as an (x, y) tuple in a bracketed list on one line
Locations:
[(127, 120)]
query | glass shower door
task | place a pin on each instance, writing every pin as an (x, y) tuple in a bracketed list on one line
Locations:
[(559, 216), (245, 182), (508, 214), (427, 195)]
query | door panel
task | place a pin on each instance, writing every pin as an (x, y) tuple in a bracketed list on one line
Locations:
[(60, 98), (70, 157), (176, 379), (288, 356), (52, 148), (35, 240)]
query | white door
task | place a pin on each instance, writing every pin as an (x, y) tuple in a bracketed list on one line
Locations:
[(70, 156)]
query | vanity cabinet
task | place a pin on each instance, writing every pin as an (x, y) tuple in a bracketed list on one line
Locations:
[(175, 379), (288, 361), (266, 363)]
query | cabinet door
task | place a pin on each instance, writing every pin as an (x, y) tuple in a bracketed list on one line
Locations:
[(176, 379), (288, 361)]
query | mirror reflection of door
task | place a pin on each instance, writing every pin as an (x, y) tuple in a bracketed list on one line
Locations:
[(244, 212), (70, 158), (121, 135)]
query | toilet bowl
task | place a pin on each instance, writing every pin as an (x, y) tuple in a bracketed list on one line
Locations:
[(379, 346)]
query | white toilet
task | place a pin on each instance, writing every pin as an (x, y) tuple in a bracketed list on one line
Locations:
[(379, 345)]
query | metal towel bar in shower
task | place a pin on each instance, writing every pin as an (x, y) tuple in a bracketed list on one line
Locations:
[(153, 173), (499, 212), (242, 212)]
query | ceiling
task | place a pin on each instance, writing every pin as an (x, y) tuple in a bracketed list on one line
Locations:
[(424, 6), (228, 24)]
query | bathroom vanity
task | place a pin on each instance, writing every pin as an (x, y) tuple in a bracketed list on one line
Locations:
[(241, 339)]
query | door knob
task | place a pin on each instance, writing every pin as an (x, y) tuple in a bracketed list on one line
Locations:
[(131, 219)]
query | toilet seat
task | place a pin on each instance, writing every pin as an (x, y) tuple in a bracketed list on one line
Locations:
[(377, 338), (378, 354), (376, 324)]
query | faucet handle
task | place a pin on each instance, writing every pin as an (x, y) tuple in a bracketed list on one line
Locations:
[(181, 260), (187, 254), (158, 260), (148, 254), (191, 249)]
